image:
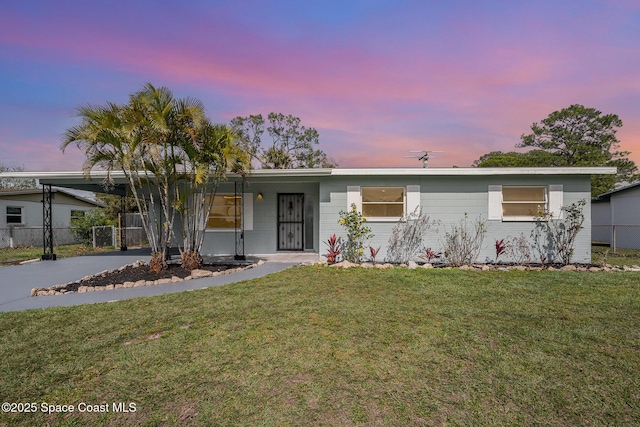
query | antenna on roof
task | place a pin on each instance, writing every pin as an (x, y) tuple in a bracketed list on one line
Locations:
[(424, 156)]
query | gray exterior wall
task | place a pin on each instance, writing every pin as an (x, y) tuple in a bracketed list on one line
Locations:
[(622, 211), (601, 221), (262, 239), (446, 199), (31, 205)]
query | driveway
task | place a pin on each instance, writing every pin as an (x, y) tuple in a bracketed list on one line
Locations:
[(17, 281)]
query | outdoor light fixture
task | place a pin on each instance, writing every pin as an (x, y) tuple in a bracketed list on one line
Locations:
[(260, 196)]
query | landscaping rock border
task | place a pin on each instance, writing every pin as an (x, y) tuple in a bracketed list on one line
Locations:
[(62, 289), (487, 267)]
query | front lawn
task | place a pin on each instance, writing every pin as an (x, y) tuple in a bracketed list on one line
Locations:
[(10, 256), (320, 346), (604, 254)]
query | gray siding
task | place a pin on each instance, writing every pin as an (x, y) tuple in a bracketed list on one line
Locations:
[(625, 215), (601, 222), (263, 238), (446, 200)]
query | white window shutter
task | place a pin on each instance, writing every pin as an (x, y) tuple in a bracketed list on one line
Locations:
[(354, 196), (247, 199), (495, 203), (413, 199), (556, 201)]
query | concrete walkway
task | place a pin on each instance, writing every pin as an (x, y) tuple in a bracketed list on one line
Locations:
[(17, 281)]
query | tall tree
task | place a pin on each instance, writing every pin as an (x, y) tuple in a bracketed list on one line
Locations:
[(513, 159), (573, 136), (581, 136), (292, 145), (208, 155)]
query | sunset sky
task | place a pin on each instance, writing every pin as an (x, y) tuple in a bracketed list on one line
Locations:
[(375, 78)]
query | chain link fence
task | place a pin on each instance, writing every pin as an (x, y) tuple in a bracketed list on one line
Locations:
[(623, 236), (13, 237)]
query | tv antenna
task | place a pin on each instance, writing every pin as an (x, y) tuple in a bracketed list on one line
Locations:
[(424, 156)]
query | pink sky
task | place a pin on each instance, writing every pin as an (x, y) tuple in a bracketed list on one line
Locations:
[(376, 78)]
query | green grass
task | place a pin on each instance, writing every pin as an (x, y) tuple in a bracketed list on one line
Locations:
[(600, 254), (319, 346), (13, 256)]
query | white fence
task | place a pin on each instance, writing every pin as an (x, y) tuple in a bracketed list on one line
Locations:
[(13, 237), (623, 236)]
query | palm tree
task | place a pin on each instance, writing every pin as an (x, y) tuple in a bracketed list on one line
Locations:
[(209, 154), (146, 139)]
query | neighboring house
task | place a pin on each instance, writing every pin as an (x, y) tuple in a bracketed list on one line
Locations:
[(616, 217), (21, 216), (299, 209)]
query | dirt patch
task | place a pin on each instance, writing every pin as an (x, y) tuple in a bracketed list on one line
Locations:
[(132, 273), (139, 274)]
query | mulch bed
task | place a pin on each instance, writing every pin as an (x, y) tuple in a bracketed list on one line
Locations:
[(143, 272)]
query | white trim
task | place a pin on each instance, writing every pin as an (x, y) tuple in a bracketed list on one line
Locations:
[(119, 175), (354, 197), (412, 199), (473, 171), (247, 200), (495, 203), (555, 201)]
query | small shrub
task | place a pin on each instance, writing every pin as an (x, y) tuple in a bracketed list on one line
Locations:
[(501, 247), (556, 237), (333, 249), (82, 227), (357, 234), (405, 242), (374, 253), (462, 244), (429, 255), (519, 250)]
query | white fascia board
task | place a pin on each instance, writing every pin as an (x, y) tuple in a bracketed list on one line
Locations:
[(317, 172), (473, 171)]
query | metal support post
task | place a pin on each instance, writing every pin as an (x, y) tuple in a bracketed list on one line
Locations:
[(239, 228), (123, 223), (47, 223)]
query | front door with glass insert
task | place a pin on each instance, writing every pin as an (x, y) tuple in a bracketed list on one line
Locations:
[(291, 222)]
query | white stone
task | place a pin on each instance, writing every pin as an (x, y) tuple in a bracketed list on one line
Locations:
[(428, 265), (196, 274), (412, 265)]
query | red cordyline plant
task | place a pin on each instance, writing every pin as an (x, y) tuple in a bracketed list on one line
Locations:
[(501, 247), (374, 253), (334, 250), (429, 254)]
